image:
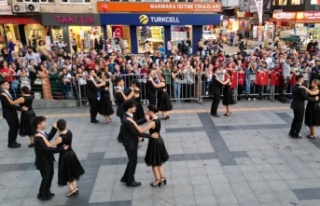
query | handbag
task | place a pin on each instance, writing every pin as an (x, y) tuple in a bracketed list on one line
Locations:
[(38, 81)]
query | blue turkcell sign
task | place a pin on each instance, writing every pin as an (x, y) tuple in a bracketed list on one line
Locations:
[(160, 19)]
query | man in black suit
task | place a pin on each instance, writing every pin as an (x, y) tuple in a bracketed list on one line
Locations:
[(120, 97), (44, 156), (93, 97), (131, 139), (216, 87), (10, 114), (298, 98)]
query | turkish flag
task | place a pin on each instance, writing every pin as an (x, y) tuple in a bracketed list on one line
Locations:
[(241, 78), (262, 78), (276, 78), (234, 79), (293, 79)]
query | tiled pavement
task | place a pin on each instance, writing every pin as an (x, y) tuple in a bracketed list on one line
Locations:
[(246, 159)]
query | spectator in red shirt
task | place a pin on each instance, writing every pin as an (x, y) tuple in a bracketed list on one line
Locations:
[(7, 72)]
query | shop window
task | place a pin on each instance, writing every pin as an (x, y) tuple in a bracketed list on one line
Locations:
[(2, 37), (76, 1), (121, 34), (83, 37), (283, 2), (35, 36), (181, 34), (149, 38)]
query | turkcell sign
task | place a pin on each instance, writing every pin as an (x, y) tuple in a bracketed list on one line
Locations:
[(158, 19)]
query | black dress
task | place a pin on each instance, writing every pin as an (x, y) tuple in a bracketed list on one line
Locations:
[(105, 104), (156, 153), (312, 113), (70, 168), (26, 128), (164, 103), (139, 114), (227, 95)]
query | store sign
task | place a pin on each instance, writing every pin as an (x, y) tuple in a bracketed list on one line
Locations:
[(6, 10), (70, 19), (308, 16), (160, 19), (284, 15), (211, 7)]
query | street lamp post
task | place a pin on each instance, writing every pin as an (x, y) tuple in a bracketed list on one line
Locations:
[(259, 5)]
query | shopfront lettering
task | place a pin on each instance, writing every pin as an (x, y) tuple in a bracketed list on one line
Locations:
[(82, 20), (158, 19)]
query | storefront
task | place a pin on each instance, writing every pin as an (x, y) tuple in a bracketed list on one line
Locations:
[(157, 22), (75, 32), (158, 28), (306, 25), (21, 29)]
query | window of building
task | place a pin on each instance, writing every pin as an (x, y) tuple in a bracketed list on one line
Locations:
[(283, 2), (36, 1), (76, 1), (297, 2)]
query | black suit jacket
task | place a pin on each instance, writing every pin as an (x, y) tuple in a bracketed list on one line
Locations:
[(92, 90), (8, 110), (215, 85), (299, 96), (44, 154), (131, 134)]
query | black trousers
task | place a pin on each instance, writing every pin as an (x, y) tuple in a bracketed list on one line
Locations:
[(215, 103), (13, 123), (93, 109), (297, 121), (47, 175), (120, 135), (128, 175)]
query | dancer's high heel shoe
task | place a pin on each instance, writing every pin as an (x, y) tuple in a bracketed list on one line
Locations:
[(164, 180), (156, 183)]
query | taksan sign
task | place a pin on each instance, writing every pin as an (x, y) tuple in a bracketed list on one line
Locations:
[(160, 19)]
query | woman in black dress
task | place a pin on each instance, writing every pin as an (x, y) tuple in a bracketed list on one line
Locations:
[(105, 104), (156, 153), (312, 113), (26, 100), (164, 103), (135, 85), (227, 94), (70, 169)]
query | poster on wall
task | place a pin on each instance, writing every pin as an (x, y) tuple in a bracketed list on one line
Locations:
[(255, 32), (268, 31), (48, 43), (117, 31)]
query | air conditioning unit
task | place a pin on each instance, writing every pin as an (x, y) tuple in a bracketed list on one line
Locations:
[(19, 8), (33, 7)]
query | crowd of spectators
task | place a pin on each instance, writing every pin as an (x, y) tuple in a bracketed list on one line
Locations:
[(62, 75)]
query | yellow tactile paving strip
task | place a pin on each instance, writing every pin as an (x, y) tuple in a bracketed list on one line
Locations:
[(181, 111)]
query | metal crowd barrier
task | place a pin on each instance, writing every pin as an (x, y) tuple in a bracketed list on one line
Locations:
[(261, 84), (44, 87), (195, 88)]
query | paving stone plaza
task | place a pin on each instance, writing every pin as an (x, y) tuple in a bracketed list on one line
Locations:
[(246, 159)]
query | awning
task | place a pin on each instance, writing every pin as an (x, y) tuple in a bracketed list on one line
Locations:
[(18, 20)]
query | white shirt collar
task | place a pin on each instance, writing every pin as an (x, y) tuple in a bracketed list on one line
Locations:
[(131, 115)]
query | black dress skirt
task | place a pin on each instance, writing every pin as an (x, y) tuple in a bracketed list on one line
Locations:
[(156, 153), (105, 104), (26, 128), (69, 168), (227, 96), (312, 113), (164, 103)]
